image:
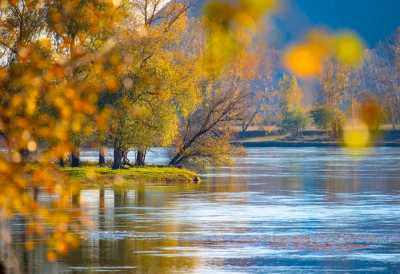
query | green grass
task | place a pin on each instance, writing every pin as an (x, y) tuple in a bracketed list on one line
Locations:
[(139, 174)]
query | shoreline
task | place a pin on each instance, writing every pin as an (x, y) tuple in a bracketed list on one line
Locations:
[(309, 138), (303, 144)]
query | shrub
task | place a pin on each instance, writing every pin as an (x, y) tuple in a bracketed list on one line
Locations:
[(328, 119), (294, 122), (322, 117)]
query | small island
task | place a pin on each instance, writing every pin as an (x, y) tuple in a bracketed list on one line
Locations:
[(109, 176)]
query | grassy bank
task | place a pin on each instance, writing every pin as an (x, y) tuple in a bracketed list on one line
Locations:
[(139, 174)]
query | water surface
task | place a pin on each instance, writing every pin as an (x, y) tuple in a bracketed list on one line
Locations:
[(278, 210)]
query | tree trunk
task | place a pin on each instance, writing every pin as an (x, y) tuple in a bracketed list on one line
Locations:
[(35, 193), (140, 157), (61, 162), (76, 199), (393, 120), (2, 268), (246, 125), (125, 160), (175, 160), (392, 117), (118, 154), (75, 158), (24, 154), (102, 158)]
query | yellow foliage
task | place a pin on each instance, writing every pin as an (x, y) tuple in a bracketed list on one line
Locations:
[(371, 113), (356, 134), (51, 256), (360, 131), (229, 28), (349, 50), (302, 61), (292, 94), (306, 59), (49, 90)]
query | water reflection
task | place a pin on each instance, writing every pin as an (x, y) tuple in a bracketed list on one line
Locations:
[(277, 211)]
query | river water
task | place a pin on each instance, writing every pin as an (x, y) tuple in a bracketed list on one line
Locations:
[(277, 210)]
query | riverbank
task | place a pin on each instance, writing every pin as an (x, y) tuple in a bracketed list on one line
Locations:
[(305, 144), (158, 174), (310, 138)]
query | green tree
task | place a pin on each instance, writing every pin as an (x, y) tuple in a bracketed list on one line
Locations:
[(294, 122), (293, 115), (322, 117)]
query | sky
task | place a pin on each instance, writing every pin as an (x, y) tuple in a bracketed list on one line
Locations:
[(372, 20)]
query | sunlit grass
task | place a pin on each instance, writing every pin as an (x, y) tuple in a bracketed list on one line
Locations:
[(146, 174)]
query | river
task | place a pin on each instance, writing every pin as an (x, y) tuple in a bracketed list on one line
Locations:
[(277, 210)]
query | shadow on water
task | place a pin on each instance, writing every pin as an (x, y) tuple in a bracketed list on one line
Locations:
[(278, 210)]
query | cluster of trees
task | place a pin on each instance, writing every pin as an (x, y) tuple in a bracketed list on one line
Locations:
[(128, 74), (158, 90), (167, 97), (369, 92)]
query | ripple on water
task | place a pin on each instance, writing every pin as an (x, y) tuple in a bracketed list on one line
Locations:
[(279, 210)]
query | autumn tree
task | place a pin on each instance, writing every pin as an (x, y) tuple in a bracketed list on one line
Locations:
[(291, 105), (46, 96), (74, 33), (228, 66), (263, 65), (335, 84), (381, 72), (158, 84), (205, 134)]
